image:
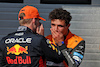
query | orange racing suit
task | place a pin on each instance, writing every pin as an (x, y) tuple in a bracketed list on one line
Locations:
[(75, 46)]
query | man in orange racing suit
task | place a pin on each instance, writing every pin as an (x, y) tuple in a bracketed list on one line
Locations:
[(60, 31)]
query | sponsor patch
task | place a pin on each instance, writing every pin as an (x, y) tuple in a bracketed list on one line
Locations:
[(81, 47), (77, 62), (78, 54), (17, 49), (79, 51), (51, 45), (18, 40), (19, 34), (18, 60), (77, 58)]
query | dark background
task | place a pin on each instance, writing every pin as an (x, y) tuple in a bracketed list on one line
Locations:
[(12, 1), (65, 1)]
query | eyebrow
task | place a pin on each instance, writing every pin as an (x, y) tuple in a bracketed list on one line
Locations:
[(57, 25), (61, 25)]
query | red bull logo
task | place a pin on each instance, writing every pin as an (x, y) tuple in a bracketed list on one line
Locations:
[(18, 60), (17, 49)]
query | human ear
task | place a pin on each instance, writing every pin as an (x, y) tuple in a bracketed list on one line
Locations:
[(68, 25), (33, 20)]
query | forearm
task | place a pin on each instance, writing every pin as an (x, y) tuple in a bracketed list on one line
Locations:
[(73, 57), (51, 52), (68, 59)]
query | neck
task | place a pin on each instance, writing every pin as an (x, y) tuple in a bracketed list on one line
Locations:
[(67, 33), (29, 26)]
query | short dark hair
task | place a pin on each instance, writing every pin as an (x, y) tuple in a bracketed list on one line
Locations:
[(60, 14)]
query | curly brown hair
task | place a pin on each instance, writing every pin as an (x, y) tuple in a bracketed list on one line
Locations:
[(60, 14)]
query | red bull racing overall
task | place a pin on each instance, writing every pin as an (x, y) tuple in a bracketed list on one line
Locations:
[(24, 48)]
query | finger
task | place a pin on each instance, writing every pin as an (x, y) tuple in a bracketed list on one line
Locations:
[(41, 30), (54, 33), (41, 27), (37, 30)]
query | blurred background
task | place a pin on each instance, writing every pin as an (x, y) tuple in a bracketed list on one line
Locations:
[(85, 21)]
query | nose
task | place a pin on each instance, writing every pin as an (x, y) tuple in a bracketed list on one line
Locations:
[(56, 28)]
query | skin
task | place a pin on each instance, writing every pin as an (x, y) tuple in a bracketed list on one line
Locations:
[(40, 30), (59, 30), (35, 26), (39, 27)]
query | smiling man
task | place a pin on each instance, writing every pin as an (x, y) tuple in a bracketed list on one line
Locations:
[(60, 34)]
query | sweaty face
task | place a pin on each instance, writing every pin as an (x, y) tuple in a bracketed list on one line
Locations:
[(59, 26)]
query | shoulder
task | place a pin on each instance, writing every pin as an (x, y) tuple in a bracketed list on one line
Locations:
[(49, 37), (37, 37), (8, 35), (78, 38), (2, 41), (74, 41)]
